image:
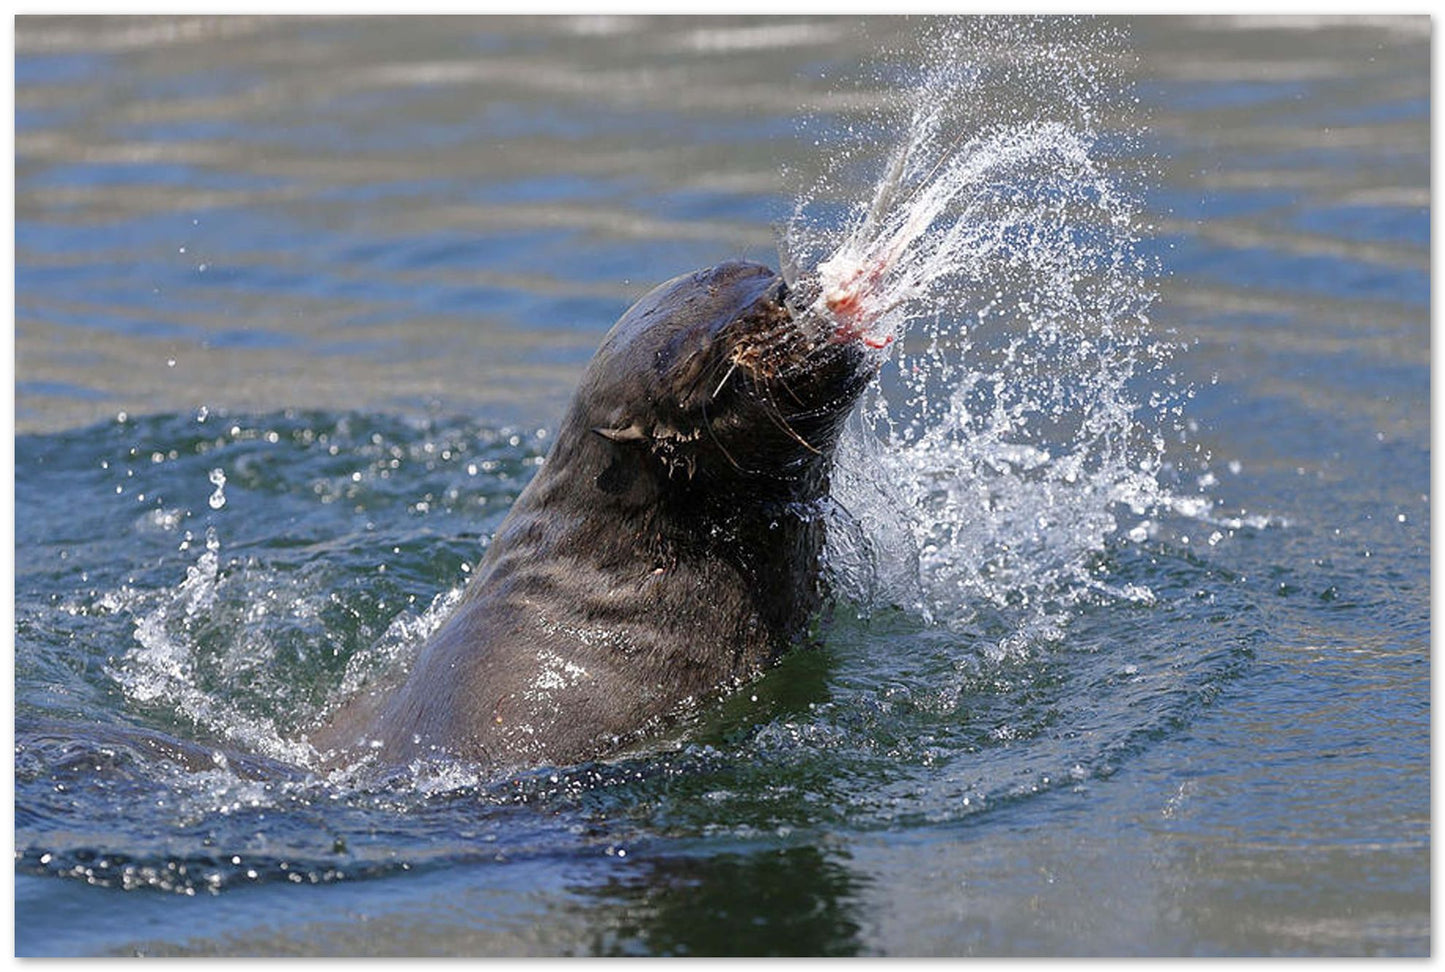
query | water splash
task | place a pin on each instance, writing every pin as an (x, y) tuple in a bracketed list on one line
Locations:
[(314, 595), (998, 259), (165, 668)]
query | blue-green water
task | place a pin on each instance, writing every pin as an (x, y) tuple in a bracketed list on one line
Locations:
[(339, 276)]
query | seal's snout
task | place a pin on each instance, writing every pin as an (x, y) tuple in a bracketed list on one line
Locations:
[(714, 374)]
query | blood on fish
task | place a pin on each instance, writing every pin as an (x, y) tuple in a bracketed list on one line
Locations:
[(851, 305)]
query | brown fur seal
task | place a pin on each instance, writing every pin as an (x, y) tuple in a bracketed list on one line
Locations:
[(667, 549)]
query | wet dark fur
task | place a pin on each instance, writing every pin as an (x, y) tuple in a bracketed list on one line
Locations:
[(667, 549)]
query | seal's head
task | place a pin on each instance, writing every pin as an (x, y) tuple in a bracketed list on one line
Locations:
[(711, 378)]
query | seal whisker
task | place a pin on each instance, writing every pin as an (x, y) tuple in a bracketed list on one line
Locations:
[(717, 440), (725, 378), (775, 415), (791, 394)]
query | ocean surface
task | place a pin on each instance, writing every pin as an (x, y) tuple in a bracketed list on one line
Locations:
[(299, 303)]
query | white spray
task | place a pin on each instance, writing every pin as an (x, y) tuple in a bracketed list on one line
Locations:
[(997, 264)]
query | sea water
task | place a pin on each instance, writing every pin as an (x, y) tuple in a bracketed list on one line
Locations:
[(1130, 652)]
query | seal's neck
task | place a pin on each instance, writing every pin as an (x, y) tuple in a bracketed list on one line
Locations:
[(603, 504)]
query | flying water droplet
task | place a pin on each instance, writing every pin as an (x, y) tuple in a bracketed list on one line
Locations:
[(218, 480)]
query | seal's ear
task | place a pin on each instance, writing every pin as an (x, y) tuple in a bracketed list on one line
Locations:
[(632, 433), (623, 468)]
